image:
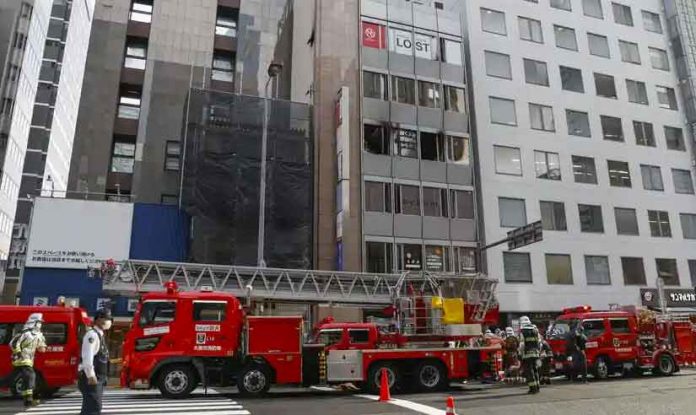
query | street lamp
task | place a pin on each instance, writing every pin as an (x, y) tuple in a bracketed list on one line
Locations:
[(273, 71)]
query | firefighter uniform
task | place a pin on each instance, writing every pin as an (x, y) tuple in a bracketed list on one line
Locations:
[(94, 365), (578, 341), (530, 349), (24, 346), (546, 356)]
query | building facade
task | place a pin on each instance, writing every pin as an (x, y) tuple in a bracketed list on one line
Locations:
[(416, 172), (144, 57), (54, 113), (581, 125), (23, 37)]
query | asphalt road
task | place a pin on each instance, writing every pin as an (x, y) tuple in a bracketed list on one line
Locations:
[(645, 396)]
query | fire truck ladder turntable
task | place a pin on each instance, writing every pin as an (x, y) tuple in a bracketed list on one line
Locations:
[(133, 276)]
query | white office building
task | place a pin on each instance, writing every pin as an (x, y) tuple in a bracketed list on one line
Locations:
[(580, 123)]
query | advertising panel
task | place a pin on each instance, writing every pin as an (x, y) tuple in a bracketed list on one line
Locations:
[(77, 234)]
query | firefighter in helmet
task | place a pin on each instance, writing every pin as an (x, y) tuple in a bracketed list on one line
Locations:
[(24, 346), (530, 350)]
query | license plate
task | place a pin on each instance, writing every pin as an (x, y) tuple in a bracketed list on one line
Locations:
[(559, 365)]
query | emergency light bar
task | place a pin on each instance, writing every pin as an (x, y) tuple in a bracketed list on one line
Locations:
[(578, 309)]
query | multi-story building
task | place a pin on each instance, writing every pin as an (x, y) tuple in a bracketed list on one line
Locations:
[(410, 156), (144, 57), (580, 125), (52, 124), (23, 31)]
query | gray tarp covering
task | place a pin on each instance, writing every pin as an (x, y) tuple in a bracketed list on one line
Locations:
[(221, 180)]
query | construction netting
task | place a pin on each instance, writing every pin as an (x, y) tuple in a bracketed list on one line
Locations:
[(221, 179)]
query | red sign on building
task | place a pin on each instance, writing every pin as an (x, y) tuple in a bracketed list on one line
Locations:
[(373, 36)]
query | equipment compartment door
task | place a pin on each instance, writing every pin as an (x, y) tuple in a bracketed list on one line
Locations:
[(344, 365)]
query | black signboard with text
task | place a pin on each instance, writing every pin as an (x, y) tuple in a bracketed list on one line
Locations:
[(676, 298)]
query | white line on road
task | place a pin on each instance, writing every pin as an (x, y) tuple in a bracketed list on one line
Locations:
[(107, 411), (417, 407), (145, 407)]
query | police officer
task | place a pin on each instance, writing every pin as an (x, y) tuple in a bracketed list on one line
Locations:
[(530, 348), (24, 346), (95, 364)]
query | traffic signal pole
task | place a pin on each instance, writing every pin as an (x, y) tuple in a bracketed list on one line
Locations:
[(516, 238)]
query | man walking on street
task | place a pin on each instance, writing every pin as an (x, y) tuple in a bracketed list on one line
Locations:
[(24, 346), (530, 348), (95, 364)]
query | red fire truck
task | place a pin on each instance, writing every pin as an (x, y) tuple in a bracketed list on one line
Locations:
[(62, 328), (627, 340), (180, 340)]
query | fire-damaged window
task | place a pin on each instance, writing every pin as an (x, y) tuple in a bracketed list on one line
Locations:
[(157, 312), (209, 311)]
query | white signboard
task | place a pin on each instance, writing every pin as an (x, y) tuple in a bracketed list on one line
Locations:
[(407, 43), (77, 234)]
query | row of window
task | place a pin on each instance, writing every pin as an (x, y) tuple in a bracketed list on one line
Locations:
[(123, 156), (424, 145), (513, 214), (493, 21), (536, 73), (547, 165), (403, 90), (436, 201), (379, 258), (410, 43), (541, 117), (517, 268), (623, 14)]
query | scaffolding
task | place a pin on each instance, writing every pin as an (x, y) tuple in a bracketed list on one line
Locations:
[(132, 277)]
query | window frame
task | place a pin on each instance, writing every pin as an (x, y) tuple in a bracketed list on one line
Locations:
[(384, 85), (652, 183), (555, 222), (566, 84), (654, 52), (399, 203), (529, 26), (640, 92), (492, 99), (645, 136), (490, 30), (403, 90), (496, 158), (642, 280), (196, 313), (617, 16), (576, 159), (671, 95), (688, 225), (659, 224), (506, 222), (123, 157), (560, 29), (603, 281), (426, 101), (627, 50), (586, 118), (605, 43), (596, 224), (170, 155), (601, 82), (535, 72), (386, 197), (568, 278), (585, 8), (651, 16), (489, 63), (675, 180), (547, 164), (438, 203), (508, 269), (672, 262), (547, 124), (609, 123), (679, 135), (454, 105), (385, 140), (633, 219), (617, 179)]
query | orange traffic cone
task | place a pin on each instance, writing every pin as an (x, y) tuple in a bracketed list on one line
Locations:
[(384, 395), (450, 407)]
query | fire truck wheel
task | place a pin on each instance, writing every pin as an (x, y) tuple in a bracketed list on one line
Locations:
[(374, 377), (431, 376), (254, 379), (177, 381), (665, 365), (601, 368)]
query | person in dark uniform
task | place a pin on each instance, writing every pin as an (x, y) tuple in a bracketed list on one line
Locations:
[(578, 341), (530, 350), (95, 364), (546, 356)]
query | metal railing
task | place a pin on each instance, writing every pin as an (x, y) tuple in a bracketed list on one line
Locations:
[(134, 276)]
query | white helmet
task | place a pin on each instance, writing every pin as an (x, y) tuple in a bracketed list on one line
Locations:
[(525, 321), (34, 321), (509, 331)]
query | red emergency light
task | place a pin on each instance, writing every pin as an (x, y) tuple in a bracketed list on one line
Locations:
[(578, 309), (171, 286)]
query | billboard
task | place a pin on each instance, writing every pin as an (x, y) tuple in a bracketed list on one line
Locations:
[(76, 234)]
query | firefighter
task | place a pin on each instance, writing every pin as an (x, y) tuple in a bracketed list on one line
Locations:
[(24, 346), (530, 347), (546, 356), (511, 347), (577, 344), (94, 364)]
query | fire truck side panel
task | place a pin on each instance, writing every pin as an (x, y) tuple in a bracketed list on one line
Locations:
[(277, 340), (454, 360), (57, 367)]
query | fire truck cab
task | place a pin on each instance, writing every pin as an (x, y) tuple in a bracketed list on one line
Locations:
[(57, 367), (616, 343)]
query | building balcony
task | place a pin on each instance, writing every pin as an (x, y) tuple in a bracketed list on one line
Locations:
[(126, 126), (226, 43), (138, 29)]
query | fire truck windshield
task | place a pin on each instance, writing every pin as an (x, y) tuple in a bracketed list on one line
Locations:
[(157, 312), (329, 336), (560, 329)]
